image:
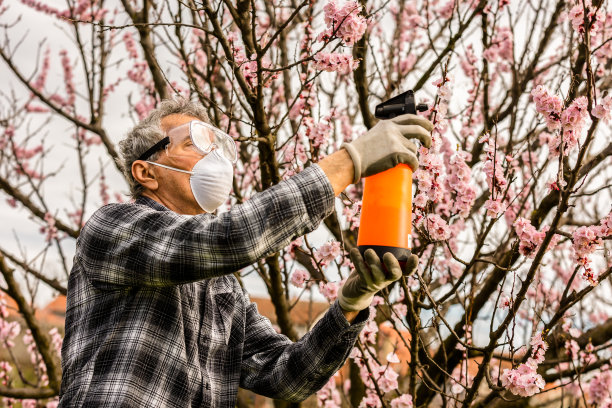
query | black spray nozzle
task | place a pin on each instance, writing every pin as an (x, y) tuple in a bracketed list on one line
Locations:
[(399, 105)]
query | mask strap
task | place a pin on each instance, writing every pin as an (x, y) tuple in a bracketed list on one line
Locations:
[(170, 168)]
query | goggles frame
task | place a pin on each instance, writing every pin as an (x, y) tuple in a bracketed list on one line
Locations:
[(225, 143)]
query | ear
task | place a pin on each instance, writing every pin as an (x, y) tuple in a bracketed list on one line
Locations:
[(144, 174)]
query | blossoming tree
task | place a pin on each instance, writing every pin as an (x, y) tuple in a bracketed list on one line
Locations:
[(511, 209)]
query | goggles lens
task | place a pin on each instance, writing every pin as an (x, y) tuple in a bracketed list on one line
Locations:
[(205, 138)]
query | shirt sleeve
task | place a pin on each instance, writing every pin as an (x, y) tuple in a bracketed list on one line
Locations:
[(135, 245), (276, 367)]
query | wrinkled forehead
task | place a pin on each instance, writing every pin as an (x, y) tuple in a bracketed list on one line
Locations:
[(173, 120)]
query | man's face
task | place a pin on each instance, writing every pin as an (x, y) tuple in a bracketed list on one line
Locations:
[(173, 186)]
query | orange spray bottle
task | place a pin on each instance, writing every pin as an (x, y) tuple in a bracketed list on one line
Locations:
[(386, 212)]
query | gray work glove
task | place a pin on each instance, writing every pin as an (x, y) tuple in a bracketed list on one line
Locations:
[(386, 145), (370, 276)]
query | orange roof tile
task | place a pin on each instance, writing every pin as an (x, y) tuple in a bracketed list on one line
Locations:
[(303, 313)]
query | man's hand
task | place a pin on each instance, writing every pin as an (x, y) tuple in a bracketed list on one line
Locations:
[(369, 277), (386, 145)]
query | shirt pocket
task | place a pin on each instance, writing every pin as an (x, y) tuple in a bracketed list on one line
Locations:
[(224, 308)]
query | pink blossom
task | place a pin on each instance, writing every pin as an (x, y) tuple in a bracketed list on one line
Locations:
[(573, 120), (420, 200), (400, 311), (144, 106), (371, 400), (539, 347), (567, 323), (130, 45), (572, 349), (576, 15), (505, 302), (574, 332), (352, 214), (603, 110), (92, 140), (409, 23), (446, 9), (329, 290), (403, 401), (407, 63), (437, 228), (68, 77), (22, 153), (329, 251), (605, 225), (50, 230), (530, 239), (431, 168), (306, 101), (377, 300), (355, 354), (523, 381), (500, 46), (346, 127), (596, 20), (493, 166), (343, 22), (443, 85), (56, 340), (299, 277), (328, 396), (387, 378), (8, 331), (494, 207), (318, 133), (600, 385), (585, 242), (458, 181), (249, 71), (335, 62), (556, 185), (36, 109), (44, 8), (368, 334), (460, 378), (5, 370), (550, 106), (41, 78), (104, 190)]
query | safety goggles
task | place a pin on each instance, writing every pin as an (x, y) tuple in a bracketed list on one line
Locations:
[(204, 138)]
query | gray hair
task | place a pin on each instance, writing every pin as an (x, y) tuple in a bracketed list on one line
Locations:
[(148, 132)]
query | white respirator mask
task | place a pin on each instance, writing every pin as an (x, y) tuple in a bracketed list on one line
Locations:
[(211, 180)]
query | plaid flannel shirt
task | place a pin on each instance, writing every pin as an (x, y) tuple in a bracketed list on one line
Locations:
[(156, 319)]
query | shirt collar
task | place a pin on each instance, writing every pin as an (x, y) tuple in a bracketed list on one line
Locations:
[(149, 202)]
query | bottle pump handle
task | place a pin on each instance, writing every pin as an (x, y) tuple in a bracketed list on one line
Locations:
[(399, 105)]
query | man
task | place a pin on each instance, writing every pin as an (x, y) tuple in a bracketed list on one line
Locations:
[(154, 315)]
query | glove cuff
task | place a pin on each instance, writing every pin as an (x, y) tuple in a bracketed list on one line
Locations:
[(356, 161), (354, 306)]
